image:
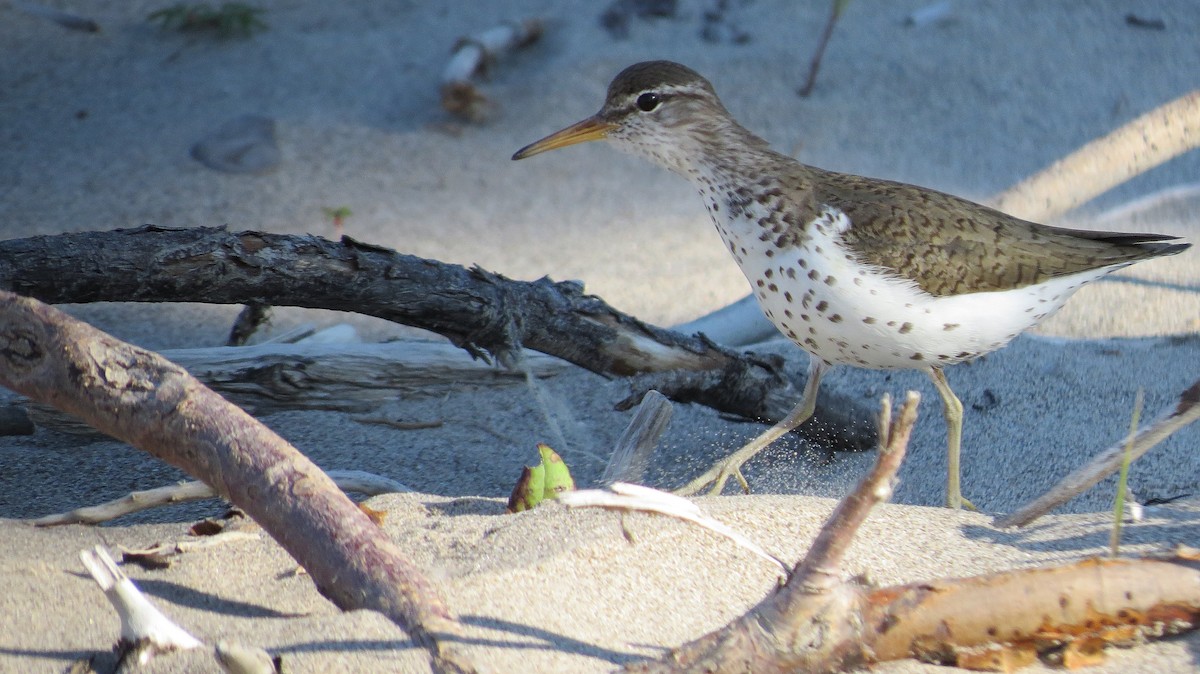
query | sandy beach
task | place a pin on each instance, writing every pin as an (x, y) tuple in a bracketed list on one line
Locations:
[(95, 131)]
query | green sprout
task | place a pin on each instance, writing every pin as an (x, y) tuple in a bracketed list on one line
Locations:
[(338, 216)]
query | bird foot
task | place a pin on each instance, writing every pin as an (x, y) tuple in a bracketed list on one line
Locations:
[(717, 476), (960, 503)]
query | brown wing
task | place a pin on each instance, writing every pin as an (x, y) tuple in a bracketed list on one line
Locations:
[(951, 246)]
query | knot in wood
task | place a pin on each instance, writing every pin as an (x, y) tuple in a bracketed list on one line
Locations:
[(20, 350)]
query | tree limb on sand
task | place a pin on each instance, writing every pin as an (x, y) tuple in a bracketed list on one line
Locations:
[(484, 313), (142, 399)]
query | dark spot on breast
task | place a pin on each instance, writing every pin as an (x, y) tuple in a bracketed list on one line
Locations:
[(760, 283), (835, 318), (803, 263), (814, 275), (869, 320), (829, 280), (906, 328), (949, 326), (787, 295), (917, 356), (770, 252), (773, 288), (822, 306), (769, 273), (787, 312), (791, 273)]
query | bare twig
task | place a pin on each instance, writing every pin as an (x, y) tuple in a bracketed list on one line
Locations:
[(636, 444), (810, 624), (472, 56), (1185, 411), (630, 497), (836, 7), (185, 492)]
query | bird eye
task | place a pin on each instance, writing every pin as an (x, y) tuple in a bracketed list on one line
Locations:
[(648, 101)]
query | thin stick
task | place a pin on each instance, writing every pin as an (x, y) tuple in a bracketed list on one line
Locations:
[(636, 444), (1186, 410), (835, 12)]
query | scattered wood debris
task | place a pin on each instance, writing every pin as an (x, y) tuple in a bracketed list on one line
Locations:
[(183, 492), (472, 57), (145, 631)]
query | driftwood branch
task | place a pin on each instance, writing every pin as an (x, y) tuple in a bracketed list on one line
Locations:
[(1185, 412), (141, 398), (145, 631), (484, 313), (635, 446), (352, 378), (194, 490), (819, 623), (472, 56)]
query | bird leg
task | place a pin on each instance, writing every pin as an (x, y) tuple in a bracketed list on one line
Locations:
[(953, 410), (731, 466)]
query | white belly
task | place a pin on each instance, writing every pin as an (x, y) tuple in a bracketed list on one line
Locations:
[(842, 312)]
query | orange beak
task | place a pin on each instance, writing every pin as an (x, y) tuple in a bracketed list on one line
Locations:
[(592, 128)]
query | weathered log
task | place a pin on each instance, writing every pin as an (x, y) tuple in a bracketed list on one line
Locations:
[(484, 313), (353, 378)]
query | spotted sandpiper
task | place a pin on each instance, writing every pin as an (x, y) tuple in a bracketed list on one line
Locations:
[(854, 270)]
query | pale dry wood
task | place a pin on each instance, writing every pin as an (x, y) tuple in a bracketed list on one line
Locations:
[(1185, 411), (145, 631), (313, 375), (624, 497), (140, 398), (1117, 601), (163, 550), (472, 56), (194, 490), (636, 444)]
